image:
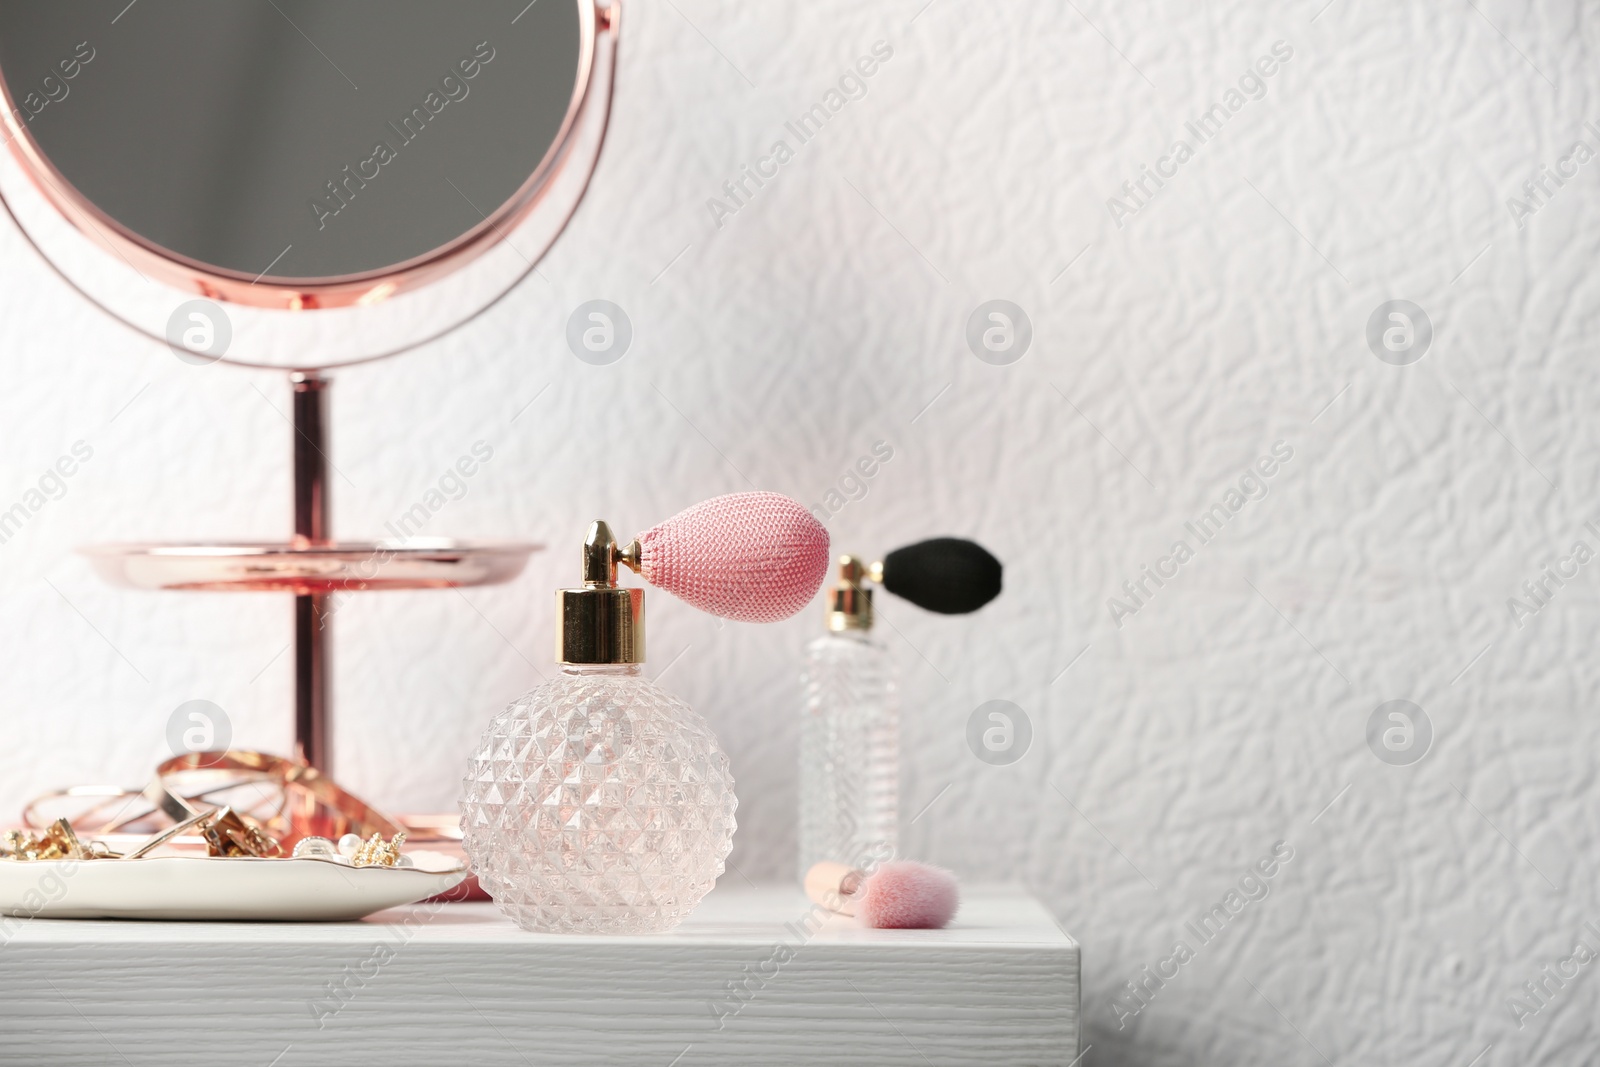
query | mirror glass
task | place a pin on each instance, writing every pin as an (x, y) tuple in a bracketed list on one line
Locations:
[(294, 140)]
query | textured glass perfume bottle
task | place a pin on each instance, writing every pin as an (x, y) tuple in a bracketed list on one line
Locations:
[(849, 736), (598, 802)]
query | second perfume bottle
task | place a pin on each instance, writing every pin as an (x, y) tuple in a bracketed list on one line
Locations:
[(850, 721)]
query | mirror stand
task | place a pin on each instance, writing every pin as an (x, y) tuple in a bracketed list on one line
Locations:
[(312, 566), (311, 527)]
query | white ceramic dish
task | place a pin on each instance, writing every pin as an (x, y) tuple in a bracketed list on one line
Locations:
[(215, 889)]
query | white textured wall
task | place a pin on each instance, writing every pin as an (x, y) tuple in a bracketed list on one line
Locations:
[(1169, 353)]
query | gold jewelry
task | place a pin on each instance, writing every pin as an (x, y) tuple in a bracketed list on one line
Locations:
[(296, 801), (57, 842), (229, 835), (156, 840), (311, 803), (376, 852)]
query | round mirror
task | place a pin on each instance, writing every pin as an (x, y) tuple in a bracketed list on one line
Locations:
[(298, 154)]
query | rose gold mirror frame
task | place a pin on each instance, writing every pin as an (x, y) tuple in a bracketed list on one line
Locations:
[(304, 294)]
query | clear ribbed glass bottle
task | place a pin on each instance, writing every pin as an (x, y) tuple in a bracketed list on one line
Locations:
[(849, 743)]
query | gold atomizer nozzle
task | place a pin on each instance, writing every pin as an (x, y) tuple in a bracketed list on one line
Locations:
[(849, 604), (601, 622)]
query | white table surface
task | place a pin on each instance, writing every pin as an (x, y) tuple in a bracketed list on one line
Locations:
[(743, 981)]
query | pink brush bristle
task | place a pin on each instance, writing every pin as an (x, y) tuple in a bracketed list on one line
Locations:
[(751, 557), (906, 895)]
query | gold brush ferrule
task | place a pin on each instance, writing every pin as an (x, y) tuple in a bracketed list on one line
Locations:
[(600, 622), (850, 605)]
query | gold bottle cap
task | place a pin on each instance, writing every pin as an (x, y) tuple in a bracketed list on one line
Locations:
[(601, 622), (849, 605)]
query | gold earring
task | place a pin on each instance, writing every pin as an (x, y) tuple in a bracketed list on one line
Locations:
[(376, 852)]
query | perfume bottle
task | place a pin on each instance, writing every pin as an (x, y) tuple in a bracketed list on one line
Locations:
[(849, 735), (850, 728), (598, 802)]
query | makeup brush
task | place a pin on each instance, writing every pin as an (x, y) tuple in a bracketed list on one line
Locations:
[(750, 557), (899, 895)]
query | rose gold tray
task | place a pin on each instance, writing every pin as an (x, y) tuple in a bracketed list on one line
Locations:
[(418, 563)]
